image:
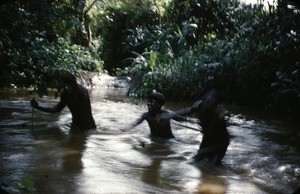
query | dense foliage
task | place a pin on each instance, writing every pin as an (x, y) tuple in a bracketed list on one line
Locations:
[(34, 45), (253, 58), (177, 47), (115, 20)]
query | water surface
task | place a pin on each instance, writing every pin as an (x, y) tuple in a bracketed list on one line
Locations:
[(262, 158)]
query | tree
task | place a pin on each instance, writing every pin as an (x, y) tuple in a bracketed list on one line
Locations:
[(83, 34)]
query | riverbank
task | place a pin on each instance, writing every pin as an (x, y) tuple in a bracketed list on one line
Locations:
[(97, 80), (90, 80)]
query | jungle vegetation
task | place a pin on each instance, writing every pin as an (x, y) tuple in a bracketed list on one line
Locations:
[(177, 47)]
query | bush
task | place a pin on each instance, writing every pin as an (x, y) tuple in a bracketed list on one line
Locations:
[(116, 18), (31, 49), (36, 65), (183, 78), (258, 65)]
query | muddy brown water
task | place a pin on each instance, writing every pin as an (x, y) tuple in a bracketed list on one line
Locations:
[(261, 158)]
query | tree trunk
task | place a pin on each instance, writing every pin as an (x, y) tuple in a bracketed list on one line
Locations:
[(83, 36)]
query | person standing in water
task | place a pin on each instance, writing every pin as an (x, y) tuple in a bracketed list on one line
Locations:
[(157, 118), (215, 135), (214, 128), (77, 99)]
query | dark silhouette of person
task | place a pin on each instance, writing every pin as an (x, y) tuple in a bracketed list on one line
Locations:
[(215, 138), (215, 135), (157, 118), (77, 99)]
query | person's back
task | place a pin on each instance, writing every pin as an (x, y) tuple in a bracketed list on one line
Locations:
[(78, 101), (214, 129), (215, 138), (215, 135), (76, 97)]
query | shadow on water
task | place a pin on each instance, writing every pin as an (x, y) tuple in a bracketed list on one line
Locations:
[(261, 158)]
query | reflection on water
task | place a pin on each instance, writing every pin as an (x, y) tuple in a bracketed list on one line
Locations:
[(260, 159)]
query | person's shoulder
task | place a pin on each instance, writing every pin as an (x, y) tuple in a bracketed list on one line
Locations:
[(145, 115), (167, 114), (82, 88), (222, 112)]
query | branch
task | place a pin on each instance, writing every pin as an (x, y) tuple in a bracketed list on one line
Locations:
[(89, 7)]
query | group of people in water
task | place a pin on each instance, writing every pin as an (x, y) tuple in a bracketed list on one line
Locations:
[(207, 110)]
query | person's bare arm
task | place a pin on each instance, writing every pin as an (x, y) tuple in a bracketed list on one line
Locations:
[(136, 122), (57, 108), (180, 115), (177, 116), (184, 111), (168, 115)]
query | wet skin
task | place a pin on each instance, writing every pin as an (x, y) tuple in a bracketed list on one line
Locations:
[(215, 135), (158, 120), (77, 99)]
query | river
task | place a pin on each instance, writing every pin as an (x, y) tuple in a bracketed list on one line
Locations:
[(38, 148)]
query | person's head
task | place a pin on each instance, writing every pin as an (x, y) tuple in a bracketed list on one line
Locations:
[(68, 78), (155, 102), (210, 100)]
